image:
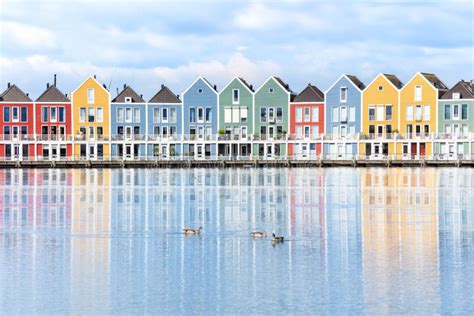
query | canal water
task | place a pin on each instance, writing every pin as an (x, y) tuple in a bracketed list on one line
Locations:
[(358, 241)]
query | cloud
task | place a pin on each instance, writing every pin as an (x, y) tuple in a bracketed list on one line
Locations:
[(19, 35)]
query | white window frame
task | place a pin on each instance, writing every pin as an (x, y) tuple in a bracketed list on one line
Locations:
[(379, 114), (352, 114), (128, 99), (235, 115), (343, 100), (426, 112), (163, 111), (228, 115), (335, 110), (315, 114), (409, 113), (99, 117), (459, 112), (82, 119), (119, 117), (136, 115), (156, 119), (343, 115), (418, 93), (173, 114), (55, 118), (130, 118), (200, 120), (307, 116), (235, 101), (243, 115), (299, 114), (43, 108), (17, 119), (90, 96)]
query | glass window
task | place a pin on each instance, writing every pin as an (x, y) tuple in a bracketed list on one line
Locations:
[(208, 115), (280, 115), (372, 113), (136, 115), (90, 95), (271, 114), (418, 112), (91, 115), (200, 117), (156, 115), (388, 112), (380, 113), (24, 113), (62, 114), (335, 114), (447, 111), (54, 117), (299, 115), (299, 132), (306, 114), (263, 115), (172, 115), (343, 94), (24, 130), (164, 115), (235, 96), (315, 115), (426, 113), (227, 115), (15, 114), (235, 115), (306, 131), (82, 114), (343, 113), (192, 115), (100, 115), (352, 114), (6, 114), (119, 115), (243, 115), (128, 115), (418, 95), (464, 112), (44, 114), (315, 132), (409, 113)]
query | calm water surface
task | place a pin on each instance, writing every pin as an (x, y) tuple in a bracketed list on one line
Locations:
[(360, 241)]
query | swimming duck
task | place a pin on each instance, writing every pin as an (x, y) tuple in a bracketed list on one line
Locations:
[(277, 239), (192, 231), (258, 234)]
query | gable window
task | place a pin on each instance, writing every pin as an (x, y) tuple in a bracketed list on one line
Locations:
[(263, 115), (227, 115), (447, 111), (380, 88), (388, 112), (343, 94), (235, 96), (299, 115), (24, 114), (271, 90), (100, 115), (44, 114), (208, 115), (119, 115), (315, 114), (136, 115), (372, 113), (82, 115), (192, 115), (6, 114), (62, 116), (53, 112), (426, 113), (464, 112), (456, 112), (409, 115), (128, 100), (456, 96), (90, 95), (172, 115), (15, 114), (418, 95), (306, 114), (199, 90)]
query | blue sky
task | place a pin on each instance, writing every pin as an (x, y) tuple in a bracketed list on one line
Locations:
[(145, 43)]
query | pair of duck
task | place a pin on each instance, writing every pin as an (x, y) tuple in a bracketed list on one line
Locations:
[(255, 234)]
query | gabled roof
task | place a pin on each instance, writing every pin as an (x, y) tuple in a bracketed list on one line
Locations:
[(464, 88), (14, 94), (128, 92), (434, 80), (102, 86), (213, 88), (356, 81), (394, 80), (250, 87), (165, 95), (242, 81), (284, 85), (310, 94), (52, 94)]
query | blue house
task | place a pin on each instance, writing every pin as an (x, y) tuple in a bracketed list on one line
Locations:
[(164, 124), (128, 124), (200, 112), (343, 109)]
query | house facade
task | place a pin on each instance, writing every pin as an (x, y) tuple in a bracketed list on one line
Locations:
[(306, 123), (91, 120), (165, 128), (455, 121), (343, 106), (53, 124), (128, 124), (380, 106), (236, 118), (271, 118), (16, 125), (418, 111), (200, 119)]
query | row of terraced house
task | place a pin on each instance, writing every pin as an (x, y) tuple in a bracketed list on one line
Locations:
[(419, 119)]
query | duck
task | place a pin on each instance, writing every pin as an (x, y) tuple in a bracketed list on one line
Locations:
[(277, 239), (192, 231), (258, 234)]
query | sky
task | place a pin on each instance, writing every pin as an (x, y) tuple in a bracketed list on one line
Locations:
[(147, 43)]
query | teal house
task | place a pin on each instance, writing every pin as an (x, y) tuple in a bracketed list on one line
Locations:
[(236, 118), (455, 122), (271, 122)]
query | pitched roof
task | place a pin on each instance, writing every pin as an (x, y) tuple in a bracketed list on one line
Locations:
[(128, 92), (310, 94), (210, 85), (285, 85), (245, 83), (464, 88), (165, 95), (435, 81), (394, 79), (14, 94), (356, 81), (52, 94)]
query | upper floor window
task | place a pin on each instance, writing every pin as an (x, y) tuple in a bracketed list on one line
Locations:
[(90, 95), (62, 114), (271, 90), (24, 114), (388, 112), (299, 115), (54, 114), (279, 115), (263, 115), (235, 96), (6, 114), (136, 115), (343, 94), (315, 115), (418, 112), (464, 112), (164, 115), (380, 88), (199, 90), (100, 115), (15, 114), (456, 112), (119, 115), (200, 115), (426, 113), (208, 115), (418, 95), (91, 115), (371, 113), (44, 114), (409, 115), (156, 115), (447, 111), (128, 115), (306, 114), (380, 113), (192, 115), (82, 115), (343, 114), (352, 114), (173, 115), (128, 99), (335, 114)]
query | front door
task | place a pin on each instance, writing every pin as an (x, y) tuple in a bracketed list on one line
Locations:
[(128, 152), (16, 152), (422, 150), (54, 154), (92, 153), (164, 151), (199, 151), (414, 150)]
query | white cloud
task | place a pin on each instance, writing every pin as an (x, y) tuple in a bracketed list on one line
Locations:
[(26, 36)]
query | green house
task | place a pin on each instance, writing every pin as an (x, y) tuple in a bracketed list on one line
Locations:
[(236, 118), (271, 123), (455, 122)]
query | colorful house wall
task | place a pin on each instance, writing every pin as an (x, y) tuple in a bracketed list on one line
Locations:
[(53, 124), (236, 117), (271, 117), (455, 117), (418, 110), (128, 124), (91, 120), (343, 97), (16, 125), (306, 123), (200, 119), (380, 106), (165, 128)]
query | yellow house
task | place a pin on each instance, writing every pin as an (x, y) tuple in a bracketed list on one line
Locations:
[(418, 113), (91, 121), (380, 102)]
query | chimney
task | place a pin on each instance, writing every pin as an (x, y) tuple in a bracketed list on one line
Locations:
[(251, 87), (124, 86), (65, 95), (215, 87), (472, 82), (28, 95), (8, 85), (141, 96), (105, 87), (162, 86), (54, 80), (117, 91), (177, 96), (95, 77), (47, 85)]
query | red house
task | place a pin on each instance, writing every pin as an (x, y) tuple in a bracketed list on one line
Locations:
[(306, 123), (53, 124), (16, 125)]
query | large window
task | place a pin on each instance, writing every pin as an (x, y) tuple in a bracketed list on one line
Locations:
[(91, 115), (418, 95), (306, 114), (136, 115), (82, 114), (279, 116), (343, 113), (243, 115), (62, 114), (263, 115), (235, 115), (464, 112), (128, 115), (271, 115), (418, 112), (208, 115), (447, 111), (371, 113), (335, 114), (380, 113), (15, 114), (299, 115), (172, 115), (426, 113), (352, 114), (409, 116), (343, 95), (90, 95), (388, 112), (200, 116), (6, 114), (24, 114), (44, 114), (315, 114), (119, 115), (456, 112), (100, 115), (192, 115), (227, 115), (156, 115), (164, 115)]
